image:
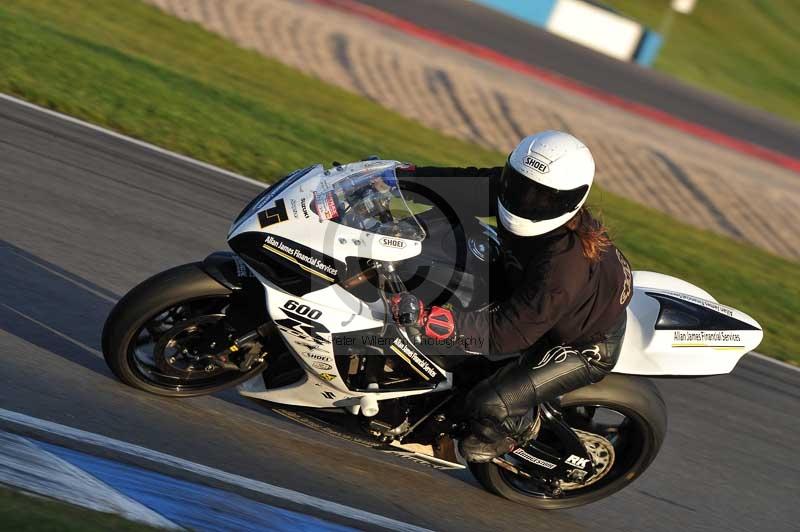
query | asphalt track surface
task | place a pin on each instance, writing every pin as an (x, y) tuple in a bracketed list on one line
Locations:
[(85, 216), (521, 41)]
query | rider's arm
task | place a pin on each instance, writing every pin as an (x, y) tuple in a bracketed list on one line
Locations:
[(468, 190), (517, 323)]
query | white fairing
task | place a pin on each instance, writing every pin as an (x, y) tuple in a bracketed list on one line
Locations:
[(648, 351), (338, 311), (339, 213)]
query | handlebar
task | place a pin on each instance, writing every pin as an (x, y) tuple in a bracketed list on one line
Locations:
[(388, 278)]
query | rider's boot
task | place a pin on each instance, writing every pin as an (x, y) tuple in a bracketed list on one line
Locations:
[(502, 414), (490, 439)]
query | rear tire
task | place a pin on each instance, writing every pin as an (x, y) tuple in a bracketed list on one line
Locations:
[(638, 399), (176, 286)]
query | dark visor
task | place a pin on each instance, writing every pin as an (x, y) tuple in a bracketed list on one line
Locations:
[(528, 199)]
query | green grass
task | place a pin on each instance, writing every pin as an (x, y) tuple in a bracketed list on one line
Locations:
[(24, 513), (746, 49), (127, 66)]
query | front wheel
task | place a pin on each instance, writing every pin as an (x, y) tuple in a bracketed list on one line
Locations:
[(621, 421), (160, 337)]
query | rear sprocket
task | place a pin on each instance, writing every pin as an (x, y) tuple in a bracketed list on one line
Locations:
[(602, 453)]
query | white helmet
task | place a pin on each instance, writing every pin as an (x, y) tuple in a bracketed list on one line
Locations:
[(545, 181)]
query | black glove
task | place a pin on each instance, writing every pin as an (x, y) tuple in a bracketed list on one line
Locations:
[(408, 309)]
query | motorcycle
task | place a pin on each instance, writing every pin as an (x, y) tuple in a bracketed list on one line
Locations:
[(298, 314)]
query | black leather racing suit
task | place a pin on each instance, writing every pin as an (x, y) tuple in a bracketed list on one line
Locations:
[(563, 313)]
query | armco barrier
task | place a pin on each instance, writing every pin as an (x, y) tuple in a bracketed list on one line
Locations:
[(586, 24)]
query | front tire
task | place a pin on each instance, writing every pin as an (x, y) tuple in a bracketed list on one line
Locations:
[(638, 400), (146, 313)]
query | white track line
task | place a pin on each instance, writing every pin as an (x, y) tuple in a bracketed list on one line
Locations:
[(67, 278), (58, 333), (771, 360), (209, 472), (132, 140)]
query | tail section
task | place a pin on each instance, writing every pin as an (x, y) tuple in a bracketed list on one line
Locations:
[(676, 328)]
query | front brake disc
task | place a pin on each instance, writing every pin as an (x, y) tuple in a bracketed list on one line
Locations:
[(175, 352)]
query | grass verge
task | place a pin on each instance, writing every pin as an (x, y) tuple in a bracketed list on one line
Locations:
[(127, 66), (24, 513), (746, 49)]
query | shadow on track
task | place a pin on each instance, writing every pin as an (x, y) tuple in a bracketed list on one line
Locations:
[(51, 308)]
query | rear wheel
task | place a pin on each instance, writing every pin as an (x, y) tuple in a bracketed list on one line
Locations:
[(622, 423), (162, 335)]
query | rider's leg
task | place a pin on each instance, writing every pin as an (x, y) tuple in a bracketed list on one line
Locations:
[(502, 409)]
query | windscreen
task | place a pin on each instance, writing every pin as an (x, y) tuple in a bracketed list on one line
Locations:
[(368, 199)]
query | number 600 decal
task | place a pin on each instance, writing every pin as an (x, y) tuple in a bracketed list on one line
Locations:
[(303, 310)]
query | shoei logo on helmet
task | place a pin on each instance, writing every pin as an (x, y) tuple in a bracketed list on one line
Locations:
[(392, 243), (536, 164)]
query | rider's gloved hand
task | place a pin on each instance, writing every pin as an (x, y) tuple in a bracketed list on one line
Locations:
[(437, 322), (408, 309)]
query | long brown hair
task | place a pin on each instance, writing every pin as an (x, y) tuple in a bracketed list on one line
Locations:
[(592, 233)]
